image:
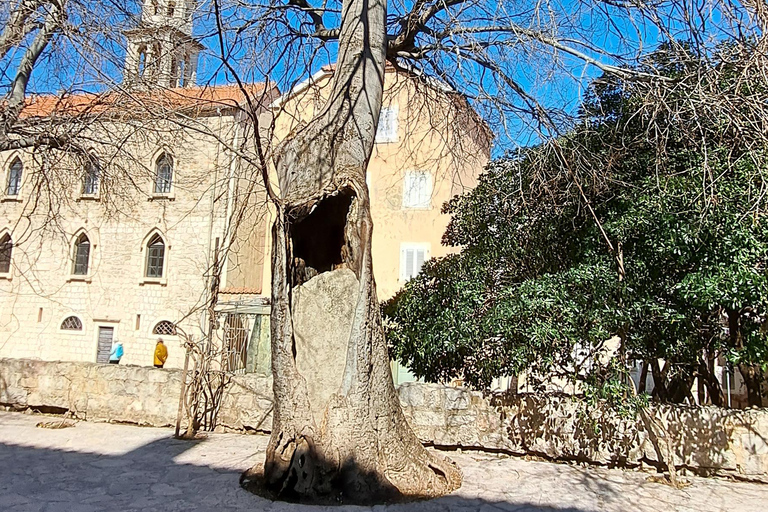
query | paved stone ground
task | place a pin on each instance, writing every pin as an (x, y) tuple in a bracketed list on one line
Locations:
[(94, 467)]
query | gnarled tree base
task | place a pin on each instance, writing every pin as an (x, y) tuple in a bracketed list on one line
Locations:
[(350, 484)]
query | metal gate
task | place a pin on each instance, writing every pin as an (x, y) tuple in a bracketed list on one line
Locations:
[(235, 343), (105, 344)]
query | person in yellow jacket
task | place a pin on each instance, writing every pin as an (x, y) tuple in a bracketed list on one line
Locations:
[(161, 353)]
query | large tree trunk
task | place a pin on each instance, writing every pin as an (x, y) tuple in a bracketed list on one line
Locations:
[(752, 375), (753, 381), (338, 430)]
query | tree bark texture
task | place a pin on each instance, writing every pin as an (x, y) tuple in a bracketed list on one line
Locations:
[(338, 429)]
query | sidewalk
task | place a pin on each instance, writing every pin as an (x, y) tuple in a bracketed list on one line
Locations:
[(102, 467)]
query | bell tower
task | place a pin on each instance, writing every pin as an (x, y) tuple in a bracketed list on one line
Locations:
[(161, 50)]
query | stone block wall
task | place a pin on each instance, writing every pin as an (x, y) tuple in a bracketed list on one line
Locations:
[(40, 292), (708, 440)]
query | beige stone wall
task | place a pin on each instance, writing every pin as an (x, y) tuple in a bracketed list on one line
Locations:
[(41, 290), (215, 196), (437, 133), (707, 440)]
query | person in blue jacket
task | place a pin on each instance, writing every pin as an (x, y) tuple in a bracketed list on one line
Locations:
[(117, 353)]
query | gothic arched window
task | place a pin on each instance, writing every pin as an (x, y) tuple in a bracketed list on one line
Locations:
[(6, 251), (155, 257), (163, 174), (91, 176), (14, 177), (81, 255)]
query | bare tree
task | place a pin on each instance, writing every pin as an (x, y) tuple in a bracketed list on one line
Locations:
[(355, 442), (515, 62)]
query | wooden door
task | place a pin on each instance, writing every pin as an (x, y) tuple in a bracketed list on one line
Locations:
[(105, 344)]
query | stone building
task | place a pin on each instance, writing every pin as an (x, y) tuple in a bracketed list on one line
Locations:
[(164, 215)]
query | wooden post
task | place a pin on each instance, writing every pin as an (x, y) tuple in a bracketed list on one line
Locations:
[(183, 392)]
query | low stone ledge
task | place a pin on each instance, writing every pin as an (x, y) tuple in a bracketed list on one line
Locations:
[(708, 440)]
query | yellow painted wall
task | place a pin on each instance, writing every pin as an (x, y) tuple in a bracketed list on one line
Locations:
[(437, 132)]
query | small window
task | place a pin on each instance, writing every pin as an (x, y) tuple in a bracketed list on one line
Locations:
[(417, 189), (155, 256), (412, 258), (171, 8), (6, 251), (91, 177), (165, 328), (14, 177), (163, 174), (81, 256), (387, 130), (71, 323), (155, 7)]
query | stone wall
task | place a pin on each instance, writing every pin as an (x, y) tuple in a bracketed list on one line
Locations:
[(124, 393), (707, 440), (40, 291)]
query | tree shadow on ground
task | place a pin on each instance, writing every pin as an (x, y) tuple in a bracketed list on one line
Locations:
[(149, 479)]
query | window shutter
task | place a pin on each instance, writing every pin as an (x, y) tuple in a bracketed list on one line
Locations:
[(417, 189), (419, 261), (425, 192), (387, 130), (409, 263)]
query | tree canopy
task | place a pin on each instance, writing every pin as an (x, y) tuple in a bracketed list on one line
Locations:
[(660, 240)]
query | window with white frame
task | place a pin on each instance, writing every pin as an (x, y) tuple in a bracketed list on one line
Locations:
[(412, 258), (15, 172), (387, 130), (417, 189)]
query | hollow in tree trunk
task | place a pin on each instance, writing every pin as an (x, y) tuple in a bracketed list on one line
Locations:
[(338, 430)]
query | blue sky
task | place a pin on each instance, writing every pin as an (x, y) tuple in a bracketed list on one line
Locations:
[(256, 50)]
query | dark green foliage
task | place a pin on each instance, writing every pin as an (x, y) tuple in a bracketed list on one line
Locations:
[(538, 274)]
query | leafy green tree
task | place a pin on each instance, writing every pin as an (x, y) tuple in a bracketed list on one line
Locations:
[(645, 224)]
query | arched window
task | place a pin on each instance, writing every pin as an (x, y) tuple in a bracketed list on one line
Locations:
[(155, 7), (171, 8), (91, 176), (142, 60), (155, 256), (163, 174), (71, 323), (165, 328), (6, 251), (81, 255), (14, 177)]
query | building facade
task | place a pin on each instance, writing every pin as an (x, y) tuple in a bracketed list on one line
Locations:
[(163, 222)]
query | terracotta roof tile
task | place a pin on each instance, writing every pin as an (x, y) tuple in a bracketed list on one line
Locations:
[(189, 100)]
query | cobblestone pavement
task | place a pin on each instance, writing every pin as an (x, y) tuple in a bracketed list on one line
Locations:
[(94, 467)]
